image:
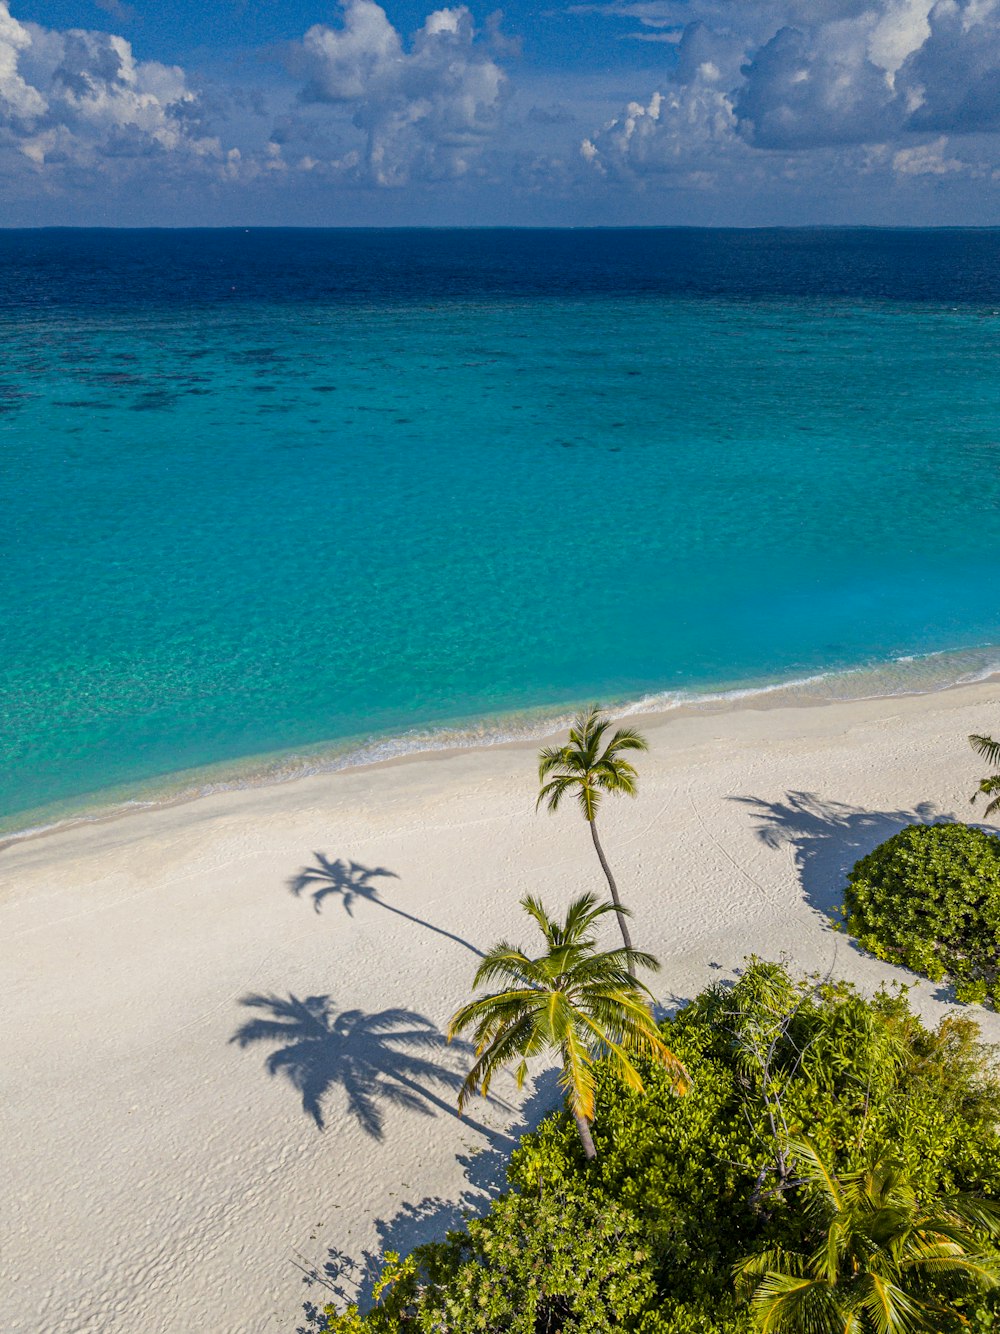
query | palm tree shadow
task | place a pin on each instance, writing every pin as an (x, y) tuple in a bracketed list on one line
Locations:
[(351, 882), (826, 838), (383, 1060)]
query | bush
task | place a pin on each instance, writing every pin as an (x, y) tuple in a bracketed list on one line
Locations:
[(929, 898), (643, 1239)]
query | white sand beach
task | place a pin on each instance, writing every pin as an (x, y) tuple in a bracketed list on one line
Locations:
[(159, 1178)]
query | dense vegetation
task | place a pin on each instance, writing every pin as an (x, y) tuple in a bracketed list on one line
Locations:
[(685, 1191), (929, 898)]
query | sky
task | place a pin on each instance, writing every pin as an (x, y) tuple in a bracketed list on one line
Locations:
[(611, 112)]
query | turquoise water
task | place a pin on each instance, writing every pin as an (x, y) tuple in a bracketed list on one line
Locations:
[(243, 528)]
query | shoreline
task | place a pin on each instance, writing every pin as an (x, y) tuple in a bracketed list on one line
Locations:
[(530, 726), (183, 1173)]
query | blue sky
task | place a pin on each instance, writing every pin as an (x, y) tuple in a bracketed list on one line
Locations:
[(717, 112)]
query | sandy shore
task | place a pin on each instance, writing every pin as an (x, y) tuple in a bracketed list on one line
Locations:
[(161, 1177)]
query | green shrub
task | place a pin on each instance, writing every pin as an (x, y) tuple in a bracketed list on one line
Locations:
[(572, 1263), (643, 1239), (929, 898)]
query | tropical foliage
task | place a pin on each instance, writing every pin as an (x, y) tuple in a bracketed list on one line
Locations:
[(586, 768), (647, 1238), (990, 785), (929, 898), (575, 1000), (879, 1262)]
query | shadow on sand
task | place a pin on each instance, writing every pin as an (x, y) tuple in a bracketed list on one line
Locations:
[(351, 882), (342, 1278), (378, 1061), (826, 838)]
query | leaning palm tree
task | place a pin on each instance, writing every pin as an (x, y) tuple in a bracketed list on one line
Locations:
[(988, 787), (882, 1262), (573, 999), (584, 769)]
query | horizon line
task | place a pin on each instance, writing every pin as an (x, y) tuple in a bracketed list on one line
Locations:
[(506, 227)]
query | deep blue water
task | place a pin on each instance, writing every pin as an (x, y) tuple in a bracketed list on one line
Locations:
[(265, 490)]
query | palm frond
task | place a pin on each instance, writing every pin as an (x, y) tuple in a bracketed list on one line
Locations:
[(577, 1077), (615, 776), (982, 1270), (587, 797), (535, 908), (987, 787), (752, 1268), (986, 747), (626, 738), (889, 1309), (793, 1304), (489, 1011), (974, 1211), (552, 757), (553, 792), (582, 913), (505, 961), (815, 1170)]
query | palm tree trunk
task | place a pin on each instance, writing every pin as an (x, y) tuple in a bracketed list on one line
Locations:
[(585, 1136), (611, 885)]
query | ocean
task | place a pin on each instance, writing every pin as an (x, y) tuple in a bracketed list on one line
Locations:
[(280, 500)]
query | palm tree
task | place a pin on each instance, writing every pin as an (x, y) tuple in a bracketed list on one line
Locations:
[(574, 999), (990, 751), (584, 769), (882, 1263)]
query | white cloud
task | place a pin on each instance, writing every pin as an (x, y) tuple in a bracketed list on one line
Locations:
[(688, 128), (684, 129), (426, 112), (19, 101), (81, 99), (790, 78), (348, 63), (926, 160), (748, 98), (803, 91), (953, 78)]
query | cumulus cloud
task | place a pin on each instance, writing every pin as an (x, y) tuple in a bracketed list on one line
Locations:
[(426, 112), (81, 99), (803, 93), (951, 81), (927, 160), (683, 130), (744, 98), (787, 78), (688, 128)]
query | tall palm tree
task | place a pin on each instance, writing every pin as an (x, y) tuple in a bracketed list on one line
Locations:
[(882, 1263), (587, 771), (574, 999), (988, 787)]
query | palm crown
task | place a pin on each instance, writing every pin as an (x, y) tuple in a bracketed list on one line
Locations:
[(988, 787), (881, 1261), (584, 769), (577, 1000)]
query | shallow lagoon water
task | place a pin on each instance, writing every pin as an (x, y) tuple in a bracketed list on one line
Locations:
[(343, 500)]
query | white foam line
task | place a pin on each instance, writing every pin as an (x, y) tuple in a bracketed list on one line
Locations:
[(291, 767)]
